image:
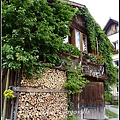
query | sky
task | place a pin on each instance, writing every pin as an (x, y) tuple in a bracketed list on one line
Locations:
[(102, 10)]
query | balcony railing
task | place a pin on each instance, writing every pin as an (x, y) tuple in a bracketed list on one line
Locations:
[(93, 69), (88, 68)]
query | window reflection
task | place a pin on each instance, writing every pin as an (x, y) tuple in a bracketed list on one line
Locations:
[(84, 44), (77, 39)]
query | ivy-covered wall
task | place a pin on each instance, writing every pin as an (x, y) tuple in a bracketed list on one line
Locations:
[(95, 33), (33, 35)]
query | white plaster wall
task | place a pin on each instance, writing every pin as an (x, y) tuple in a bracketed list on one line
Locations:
[(114, 38)]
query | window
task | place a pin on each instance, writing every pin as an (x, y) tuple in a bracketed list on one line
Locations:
[(115, 44), (84, 41), (113, 29), (117, 28), (81, 41), (66, 40), (77, 39), (117, 86), (109, 31), (116, 63)]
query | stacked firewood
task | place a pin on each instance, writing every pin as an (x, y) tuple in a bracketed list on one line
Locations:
[(44, 105), (53, 79)]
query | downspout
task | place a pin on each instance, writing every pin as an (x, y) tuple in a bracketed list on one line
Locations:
[(5, 99)]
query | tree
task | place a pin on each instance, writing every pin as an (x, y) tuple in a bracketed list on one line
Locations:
[(33, 31)]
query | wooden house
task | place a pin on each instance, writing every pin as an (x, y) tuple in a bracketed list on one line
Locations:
[(89, 103)]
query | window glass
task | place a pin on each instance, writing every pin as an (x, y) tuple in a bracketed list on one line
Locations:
[(84, 44), (109, 31), (66, 40), (117, 28), (116, 63), (115, 44), (77, 39), (117, 85)]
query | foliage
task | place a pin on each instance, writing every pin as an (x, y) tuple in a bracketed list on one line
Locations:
[(110, 114), (33, 31), (75, 81), (9, 94), (71, 116), (71, 113), (108, 97), (96, 58), (107, 88), (95, 33), (115, 106), (70, 49)]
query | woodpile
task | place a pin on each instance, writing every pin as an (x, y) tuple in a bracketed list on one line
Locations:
[(44, 105), (53, 79)]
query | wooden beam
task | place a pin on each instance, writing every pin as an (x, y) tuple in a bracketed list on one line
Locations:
[(26, 89)]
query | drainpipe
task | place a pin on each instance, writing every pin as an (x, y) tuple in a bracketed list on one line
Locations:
[(5, 99)]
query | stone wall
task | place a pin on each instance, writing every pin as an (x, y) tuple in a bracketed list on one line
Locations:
[(44, 105)]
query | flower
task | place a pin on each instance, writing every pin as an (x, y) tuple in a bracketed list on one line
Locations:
[(100, 59), (9, 94)]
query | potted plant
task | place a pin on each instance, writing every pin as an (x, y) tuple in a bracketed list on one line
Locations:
[(96, 59), (92, 58), (100, 59)]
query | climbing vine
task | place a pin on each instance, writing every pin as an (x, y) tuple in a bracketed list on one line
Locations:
[(75, 80), (104, 46), (33, 33)]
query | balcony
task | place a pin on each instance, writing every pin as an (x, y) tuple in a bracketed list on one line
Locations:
[(88, 68), (93, 69)]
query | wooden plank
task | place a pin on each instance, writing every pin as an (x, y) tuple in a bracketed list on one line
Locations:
[(16, 107), (25, 89), (12, 109), (73, 37), (92, 99)]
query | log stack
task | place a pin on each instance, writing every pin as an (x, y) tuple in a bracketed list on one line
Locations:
[(44, 105), (52, 79)]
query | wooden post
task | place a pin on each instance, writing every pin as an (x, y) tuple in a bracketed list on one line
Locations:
[(5, 99)]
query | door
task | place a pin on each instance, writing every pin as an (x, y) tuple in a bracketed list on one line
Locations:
[(90, 103)]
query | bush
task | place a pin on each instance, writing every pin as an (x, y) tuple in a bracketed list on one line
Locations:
[(108, 97)]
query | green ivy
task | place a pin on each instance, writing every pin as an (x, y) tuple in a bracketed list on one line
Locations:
[(75, 80), (104, 46), (33, 31), (70, 49)]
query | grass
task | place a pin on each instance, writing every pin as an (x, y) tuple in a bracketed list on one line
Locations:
[(115, 106), (111, 114)]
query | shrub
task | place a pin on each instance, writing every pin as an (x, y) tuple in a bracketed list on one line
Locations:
[(108, 97)]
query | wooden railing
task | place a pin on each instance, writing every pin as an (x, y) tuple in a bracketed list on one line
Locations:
[(88, 68), (92, 69)]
